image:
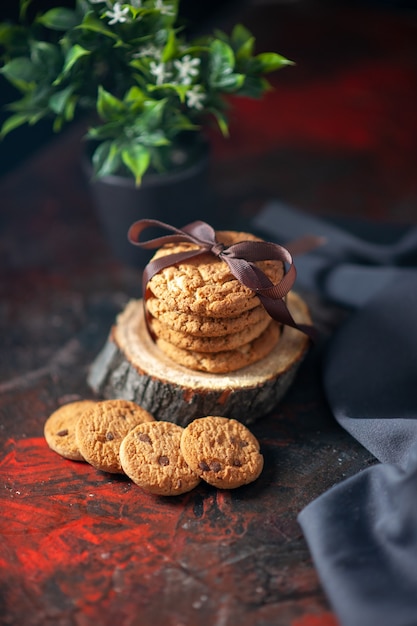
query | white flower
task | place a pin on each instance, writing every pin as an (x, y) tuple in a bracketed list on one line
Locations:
[(159, 71), (187, 68), (118, 15), (148, 51), (195, 98), (136, 3), (165, 9)]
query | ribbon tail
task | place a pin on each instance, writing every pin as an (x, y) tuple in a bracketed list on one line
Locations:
[(272, 296), (279, 311)]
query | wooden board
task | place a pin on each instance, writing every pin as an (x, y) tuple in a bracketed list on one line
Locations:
[(131, 366)]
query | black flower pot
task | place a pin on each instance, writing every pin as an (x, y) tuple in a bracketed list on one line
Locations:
[(177, 198)]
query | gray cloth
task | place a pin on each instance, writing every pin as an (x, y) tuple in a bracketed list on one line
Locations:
[(347, 268), (362, 533)]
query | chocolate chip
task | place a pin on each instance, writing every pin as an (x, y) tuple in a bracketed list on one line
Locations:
[(109, 436), (144, 437), (62, 433), (203, 466), (236, 441), (237, 463), (215, 466), (163, 460)]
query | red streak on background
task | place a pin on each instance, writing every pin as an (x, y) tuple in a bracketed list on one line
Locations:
[(353, 110)]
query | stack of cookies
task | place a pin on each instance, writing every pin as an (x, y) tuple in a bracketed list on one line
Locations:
[(203, 318)]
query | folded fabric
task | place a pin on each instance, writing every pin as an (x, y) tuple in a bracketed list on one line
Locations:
[(370, 372), (287, 223), (362, 533), (347, 269)]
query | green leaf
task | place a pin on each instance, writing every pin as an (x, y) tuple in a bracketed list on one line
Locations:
[(270, 61), (137, 159), (138, 64), (231, 82), (134, 98), (152, 115), (108, 106), (23, 7), (109, 130), (38, 115), (221, 122), (243, 42), (170, 48), (58, 123), (14, 121), (13, 36), (73, 55), (222, 62), (70, 107), (58, 102), (254, 87), (155, 139), (91, 23), (180, 123), (179, 90), (47, 58), (245, 51), (19, 71), (106, 158), (59, 18)]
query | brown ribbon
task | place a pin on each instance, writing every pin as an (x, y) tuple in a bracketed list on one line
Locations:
[(240, 257)]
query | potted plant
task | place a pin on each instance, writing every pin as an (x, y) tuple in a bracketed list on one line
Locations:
[(148, 90)]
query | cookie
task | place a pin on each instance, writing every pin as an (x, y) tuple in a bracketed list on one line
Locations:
[(203, 326), (204, 285), (228, 360), (222, 451), (101, 429), (209, 344), (59, 429), (151, 456)]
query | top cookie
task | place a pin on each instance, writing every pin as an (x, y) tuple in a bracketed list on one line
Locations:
[(204, 285)]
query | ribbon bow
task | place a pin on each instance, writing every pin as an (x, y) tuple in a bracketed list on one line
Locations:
[(240, 257)]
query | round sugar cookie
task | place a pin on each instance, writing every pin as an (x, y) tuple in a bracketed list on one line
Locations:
[(101, 429), (151, 456), (59, 429), (204, 285), (222, 451)]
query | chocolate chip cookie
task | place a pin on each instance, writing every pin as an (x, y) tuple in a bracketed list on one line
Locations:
[(101, 429), (204, 285), (59, 429), (222, 451), (151, 456)]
